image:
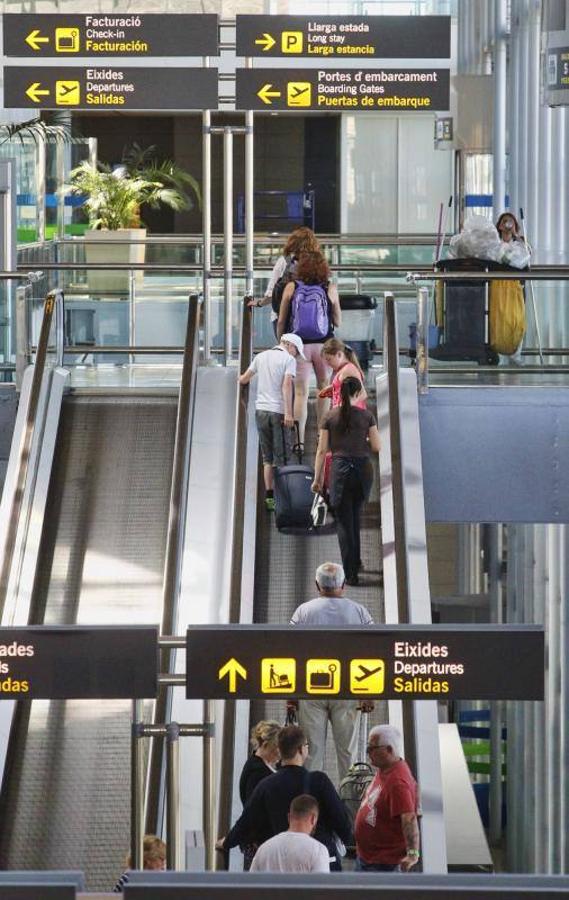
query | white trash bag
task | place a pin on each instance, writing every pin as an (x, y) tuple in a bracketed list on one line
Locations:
[(478, 239)]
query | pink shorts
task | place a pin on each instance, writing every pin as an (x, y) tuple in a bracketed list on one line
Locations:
[(314, 361)]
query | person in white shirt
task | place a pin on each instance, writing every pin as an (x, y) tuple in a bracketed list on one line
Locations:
[(331, 608), (276, 369), (294, 850)]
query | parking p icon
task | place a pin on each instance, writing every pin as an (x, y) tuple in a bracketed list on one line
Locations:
[(291, 41)]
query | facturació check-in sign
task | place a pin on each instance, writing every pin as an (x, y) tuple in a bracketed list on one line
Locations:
[(100, 87), (344, 37), (478, 662), (109, 34), (344, 89)]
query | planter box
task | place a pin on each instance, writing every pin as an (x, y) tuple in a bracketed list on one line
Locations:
[(119, 252)]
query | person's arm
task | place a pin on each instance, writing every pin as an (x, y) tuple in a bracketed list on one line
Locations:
[(332, 809), (374, 441), (278, 271), (287, 398), (248, 823), (335, 301), (410, 827), (246, 377), (325, 392), (323, 441), (284, 309)]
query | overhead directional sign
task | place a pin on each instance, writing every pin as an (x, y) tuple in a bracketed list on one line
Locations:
[(478, 662), (109, 34), (103, 87), (343, 89), (72, 662), (345, 37)]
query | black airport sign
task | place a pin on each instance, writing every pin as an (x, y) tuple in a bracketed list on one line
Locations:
[(477, 662), (336, 90), (344, 37), (106, 88), (73, 662), (109, 34)]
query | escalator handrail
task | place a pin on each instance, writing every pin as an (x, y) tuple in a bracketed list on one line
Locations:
[(416, 720), (53, 302), (174, 549), (228, 764)]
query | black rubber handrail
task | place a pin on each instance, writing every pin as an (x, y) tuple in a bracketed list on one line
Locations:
[(26, 440)]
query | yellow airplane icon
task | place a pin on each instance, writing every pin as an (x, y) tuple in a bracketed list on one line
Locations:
[(299, 93), (67, 93)]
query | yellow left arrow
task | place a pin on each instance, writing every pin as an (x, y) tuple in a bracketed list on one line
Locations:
[(266, 94), (232, 669), (34, 92), (35, 40)]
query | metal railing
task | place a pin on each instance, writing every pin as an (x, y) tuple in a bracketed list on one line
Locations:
[(174, 550), (12, 505), (235, 589), (405, 572)]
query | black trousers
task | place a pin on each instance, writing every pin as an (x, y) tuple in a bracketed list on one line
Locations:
[(350, 484)]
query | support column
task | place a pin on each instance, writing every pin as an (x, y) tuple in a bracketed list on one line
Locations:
[(499, 144)]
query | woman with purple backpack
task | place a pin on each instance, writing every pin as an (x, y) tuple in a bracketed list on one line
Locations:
[(310, 307)]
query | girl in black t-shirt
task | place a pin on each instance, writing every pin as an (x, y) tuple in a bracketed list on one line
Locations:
[(350, 433)]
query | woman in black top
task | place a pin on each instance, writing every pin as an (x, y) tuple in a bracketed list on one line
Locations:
[(262, 762), (350, 433)]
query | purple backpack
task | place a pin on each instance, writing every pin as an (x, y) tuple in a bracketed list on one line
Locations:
[(309, 316)]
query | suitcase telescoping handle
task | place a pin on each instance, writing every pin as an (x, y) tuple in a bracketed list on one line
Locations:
[(296, 445)]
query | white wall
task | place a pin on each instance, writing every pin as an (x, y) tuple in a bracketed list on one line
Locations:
[(393, 179)]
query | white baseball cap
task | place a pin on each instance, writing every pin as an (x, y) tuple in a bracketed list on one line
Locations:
[(297, 341)]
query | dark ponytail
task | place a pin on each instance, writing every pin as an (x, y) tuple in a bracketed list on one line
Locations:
[(350, 387)]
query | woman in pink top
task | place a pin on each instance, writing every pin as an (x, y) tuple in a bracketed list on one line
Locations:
[(344, 364)]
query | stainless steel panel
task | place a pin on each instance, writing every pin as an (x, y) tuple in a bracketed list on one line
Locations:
[(67, 796)]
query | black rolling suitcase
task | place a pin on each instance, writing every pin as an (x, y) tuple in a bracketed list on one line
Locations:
[(462, 313), (293, 495)]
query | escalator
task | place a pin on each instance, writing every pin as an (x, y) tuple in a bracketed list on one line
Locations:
[(92, 533), (66, 795), (285, 567)]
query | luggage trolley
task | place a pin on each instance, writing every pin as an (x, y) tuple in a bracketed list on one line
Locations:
[(462, 314)]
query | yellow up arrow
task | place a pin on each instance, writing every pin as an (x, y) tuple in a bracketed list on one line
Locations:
[(35, 40), (266, 93), (232, 668), (34, 93), (266, 42)]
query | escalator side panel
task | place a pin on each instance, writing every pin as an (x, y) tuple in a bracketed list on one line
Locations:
[(101, 562)]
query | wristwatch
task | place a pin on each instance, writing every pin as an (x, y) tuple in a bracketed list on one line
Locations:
[(413, 853)]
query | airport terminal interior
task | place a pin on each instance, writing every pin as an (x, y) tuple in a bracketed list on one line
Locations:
[(183, 182)]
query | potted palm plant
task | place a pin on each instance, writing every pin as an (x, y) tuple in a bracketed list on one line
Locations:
[(113, 199)]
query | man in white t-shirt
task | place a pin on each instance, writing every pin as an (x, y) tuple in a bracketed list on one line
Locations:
[(276, 369), (294, 850), (331, 608)]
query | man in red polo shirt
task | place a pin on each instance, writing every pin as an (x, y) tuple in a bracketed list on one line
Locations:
[(386, 827)]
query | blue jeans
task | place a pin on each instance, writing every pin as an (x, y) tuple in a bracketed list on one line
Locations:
[(362, 866)]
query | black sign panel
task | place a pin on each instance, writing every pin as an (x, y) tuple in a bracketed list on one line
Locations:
[(110, 34), (104, 88), (478, 662), (557, 76), (344, 37), (69, 662), (340, 90)]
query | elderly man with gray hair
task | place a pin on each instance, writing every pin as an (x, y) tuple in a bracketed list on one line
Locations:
[(386, 827), (331, 608)]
